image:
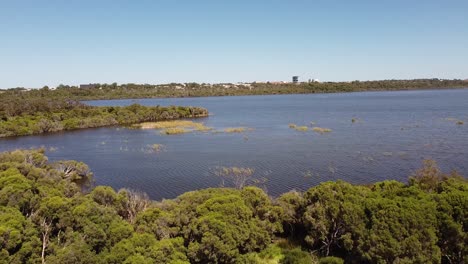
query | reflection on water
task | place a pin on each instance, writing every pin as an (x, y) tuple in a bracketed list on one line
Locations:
[(374, 136)]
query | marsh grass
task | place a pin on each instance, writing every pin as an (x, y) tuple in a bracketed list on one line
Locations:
[(301, 128), (310, 174), (156, 147), (239, 176), (235, 129), (457, 121), (321, 130), (174, 131), (53, 149), (298, 128), (174, 127)]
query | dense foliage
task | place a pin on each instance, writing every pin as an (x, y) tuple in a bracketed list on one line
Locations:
[(50, 213), (27, 116), (130, 90)]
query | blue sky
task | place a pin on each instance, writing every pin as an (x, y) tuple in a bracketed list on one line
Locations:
[(72, 42)]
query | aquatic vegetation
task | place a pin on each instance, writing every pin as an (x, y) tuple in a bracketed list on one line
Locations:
[(155, 148), (321, 130), (52, 149), (174, 127), (172, 124), (298, 128), (238, 175), (174, 131), (310, 174), (455, 120), (301, 128), (332, 168), (235, 129)]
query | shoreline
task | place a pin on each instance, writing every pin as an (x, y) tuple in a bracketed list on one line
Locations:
[(272, 94)]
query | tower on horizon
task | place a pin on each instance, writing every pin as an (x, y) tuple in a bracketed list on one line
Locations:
[(295, 79)]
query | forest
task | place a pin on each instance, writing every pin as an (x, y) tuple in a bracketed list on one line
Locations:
[(131, 90), (35, 115), (51, 212)]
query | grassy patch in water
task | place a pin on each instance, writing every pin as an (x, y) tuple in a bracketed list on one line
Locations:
[(298, 128), (156, 147), (235, 129), (174, 127), (301, 128), (455, 120), (174, 131), (321, 130)]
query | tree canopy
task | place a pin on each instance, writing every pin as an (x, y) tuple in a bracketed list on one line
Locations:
[(47, 216)]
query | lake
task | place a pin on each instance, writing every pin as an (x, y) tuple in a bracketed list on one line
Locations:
[(391, 134)]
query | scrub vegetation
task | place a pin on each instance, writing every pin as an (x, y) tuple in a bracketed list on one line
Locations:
[(51, 213), (132, 90), (28, 116)]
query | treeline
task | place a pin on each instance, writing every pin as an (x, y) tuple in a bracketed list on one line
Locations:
[(35, 115), (115, 91), (50, 214)]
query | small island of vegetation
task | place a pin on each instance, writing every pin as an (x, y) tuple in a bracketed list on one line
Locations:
[(51, 213), (28, 116)]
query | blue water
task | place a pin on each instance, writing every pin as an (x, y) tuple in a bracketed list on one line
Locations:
[(393, 133)]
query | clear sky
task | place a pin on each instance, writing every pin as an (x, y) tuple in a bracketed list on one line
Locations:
[(48, 42)]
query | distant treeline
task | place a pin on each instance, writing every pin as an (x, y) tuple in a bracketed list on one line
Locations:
[(49, 213), (115, 91), (35, 115)]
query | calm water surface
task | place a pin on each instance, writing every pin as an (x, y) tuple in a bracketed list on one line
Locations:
[(393, 133)]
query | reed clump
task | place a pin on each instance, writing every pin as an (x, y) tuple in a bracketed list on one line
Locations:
[(321, 130)]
